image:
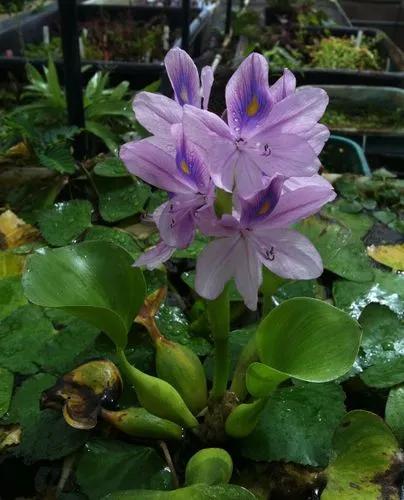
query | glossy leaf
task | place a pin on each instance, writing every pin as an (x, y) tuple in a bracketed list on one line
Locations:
[(11, 264), (342, 252), (114, 235), (106, 466), (364, 451), (111, 167), (381, 357), (395, 411), (386, 289), (209, 466), (121, 198), (309, 340), (64, 222), (297, 425), (94, 281)]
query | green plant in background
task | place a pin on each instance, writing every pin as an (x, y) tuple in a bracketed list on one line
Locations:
[(107, 116), (344, 53), (15, 6)]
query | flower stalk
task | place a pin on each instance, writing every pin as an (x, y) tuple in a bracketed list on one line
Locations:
[(219, 318)]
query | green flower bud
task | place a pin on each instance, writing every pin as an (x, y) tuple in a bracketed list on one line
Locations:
[(138, 422), (158, 396), (209, 466), (243, 419), (182, 368)]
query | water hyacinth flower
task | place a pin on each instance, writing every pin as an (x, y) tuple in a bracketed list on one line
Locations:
[(157, 113), (257, 234), (269, 131), (185, 177)]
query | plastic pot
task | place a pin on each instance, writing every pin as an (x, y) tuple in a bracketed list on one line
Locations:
[(342, 155), (386, 100)]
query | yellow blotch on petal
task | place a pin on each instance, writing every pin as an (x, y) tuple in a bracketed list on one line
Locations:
[(265, 208), (253, 107), (184, 167)]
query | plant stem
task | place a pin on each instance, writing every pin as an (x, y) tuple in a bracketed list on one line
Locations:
[(270, 283), (219, 318)]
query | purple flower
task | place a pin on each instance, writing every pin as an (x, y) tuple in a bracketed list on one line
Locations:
[(157, 113), (257, 234), (186, 178), (269, 131)]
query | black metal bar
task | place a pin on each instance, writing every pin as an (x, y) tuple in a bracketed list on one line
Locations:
[(72, 68), (229, 7), (186, 18)]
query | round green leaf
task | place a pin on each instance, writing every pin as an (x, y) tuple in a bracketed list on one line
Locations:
[(108, 466), (364, 452), (94, 281), (297, 425), (309, 340), (65, 222), (395, 412)]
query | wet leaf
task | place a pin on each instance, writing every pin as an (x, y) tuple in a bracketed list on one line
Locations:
[(69, 345), (22, 337), (303, 288), (45, 435), (14, 232), (294, 338), (94, 281), (386, 289), (194, 249), (341, 249), (297, 425), (381, 353), (173, 324), (395, 411), (364, 451), (156, 199), (121, 198), (111, 167), (388, 255), (64, 222), (341, 211), (109, 466), (6, 390), (114, 235), (11, 296)]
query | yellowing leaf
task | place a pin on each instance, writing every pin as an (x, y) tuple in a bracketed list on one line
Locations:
[(11, 264), (10, 435), (14, 232), (389, 255)]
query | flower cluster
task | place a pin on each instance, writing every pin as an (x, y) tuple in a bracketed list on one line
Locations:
[(263, 152)]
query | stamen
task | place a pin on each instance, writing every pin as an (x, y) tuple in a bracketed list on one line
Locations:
[(267, 150), (269, 254)]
